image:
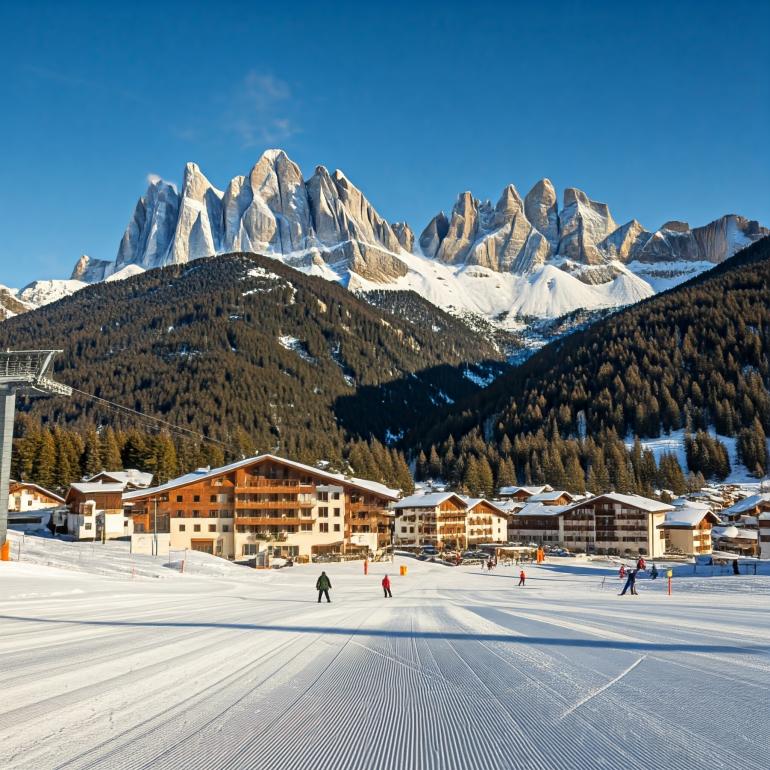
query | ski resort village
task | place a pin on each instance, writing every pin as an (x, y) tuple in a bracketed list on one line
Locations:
[(275, 614)]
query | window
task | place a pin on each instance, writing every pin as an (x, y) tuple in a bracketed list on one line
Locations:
[(306, 527), (196, 514), (196, 498), (323, 527), (323, 512), (335, 496), (212, 498), (88, 525), (336, 511), (181, 527), (336, 527), (180, 513), (179, 498), (323, 496), (212, 527), (196, 527), (225, 528)]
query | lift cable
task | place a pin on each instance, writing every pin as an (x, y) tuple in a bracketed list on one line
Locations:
[(178, 429)]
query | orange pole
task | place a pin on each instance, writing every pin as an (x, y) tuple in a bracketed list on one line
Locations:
[(5, 551), (366, 566), (669, 586)]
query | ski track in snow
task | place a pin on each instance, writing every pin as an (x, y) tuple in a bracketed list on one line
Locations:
[(244, 670)]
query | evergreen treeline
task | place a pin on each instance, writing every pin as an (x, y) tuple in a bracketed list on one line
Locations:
[(595, 464), (244, 350), (55, 457), (693, 358)]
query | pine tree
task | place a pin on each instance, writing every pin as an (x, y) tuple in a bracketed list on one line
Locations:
[(111, 459), (44, 465), (91, 462), (486, 478)]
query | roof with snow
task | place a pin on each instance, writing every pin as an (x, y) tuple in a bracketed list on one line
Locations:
[(747, 504), (89, 488), (506, 491), (15, 485), (545, 497), (431, 500), (687, 518), (129, 476), (472, 502), (540, 509), (207, 473), (635, 501), (683, 502), (735, 533)]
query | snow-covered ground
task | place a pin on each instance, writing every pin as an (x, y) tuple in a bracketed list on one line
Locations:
[(243, 669), (673, 443)]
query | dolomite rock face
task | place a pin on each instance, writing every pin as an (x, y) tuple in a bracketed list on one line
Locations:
[(327, 225), (542, 210), (198, 226), (270, 210), (150, 230), (583, 224), (625, 242), (404, 235)]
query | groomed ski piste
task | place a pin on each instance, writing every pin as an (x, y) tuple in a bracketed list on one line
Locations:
[(114, 661)]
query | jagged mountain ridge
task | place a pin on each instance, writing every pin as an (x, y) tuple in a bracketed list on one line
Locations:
[(523, 257)]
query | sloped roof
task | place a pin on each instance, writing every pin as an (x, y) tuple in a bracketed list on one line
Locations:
[(687, 518), (431, 500), (36, 487), (539, 509), (636, 501), (207, 473), (89, 488), (529, 490), (747, 504), (544, 497), (732, 532), (128, 476), (472, 502)]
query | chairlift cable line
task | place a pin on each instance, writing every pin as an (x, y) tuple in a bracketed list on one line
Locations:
[(171, 426)]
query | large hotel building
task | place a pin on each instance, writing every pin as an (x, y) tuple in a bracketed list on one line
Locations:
[(265, 502)]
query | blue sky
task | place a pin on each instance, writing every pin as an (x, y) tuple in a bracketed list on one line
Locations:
[(661, 110)]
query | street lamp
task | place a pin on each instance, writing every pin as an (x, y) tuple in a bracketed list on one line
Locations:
[(21, 371)]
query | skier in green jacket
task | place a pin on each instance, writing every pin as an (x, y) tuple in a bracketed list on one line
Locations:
[(323, 584)]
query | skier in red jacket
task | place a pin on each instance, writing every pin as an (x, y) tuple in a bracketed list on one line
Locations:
[(522, 578), (386, 587)]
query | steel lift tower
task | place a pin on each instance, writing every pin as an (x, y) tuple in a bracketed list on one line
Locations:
[(21, 371)]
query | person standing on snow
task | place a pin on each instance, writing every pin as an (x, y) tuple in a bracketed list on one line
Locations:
[(654, 571), (323, 584), (386, 587), (522, 578), (641, 565), (622, 571), (630, 582)]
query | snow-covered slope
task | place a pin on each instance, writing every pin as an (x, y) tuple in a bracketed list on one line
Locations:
[(457, 670), (543, 292), (39, 293)]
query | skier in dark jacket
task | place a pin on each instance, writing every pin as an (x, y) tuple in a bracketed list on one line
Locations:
[(386, 587), (323, 584), (630, 582), (736, 571)]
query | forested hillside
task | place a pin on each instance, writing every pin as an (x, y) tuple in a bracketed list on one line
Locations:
[(694, 358), (245, 351)]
